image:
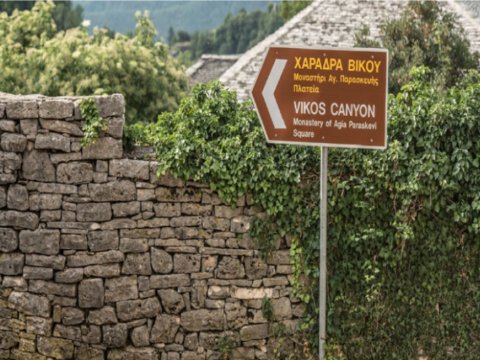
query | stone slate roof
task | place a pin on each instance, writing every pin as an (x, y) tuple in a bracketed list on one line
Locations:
[(329, 23), (210, 67)]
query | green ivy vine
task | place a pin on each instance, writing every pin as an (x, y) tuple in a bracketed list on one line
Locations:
[(403, 224), (94, 124)]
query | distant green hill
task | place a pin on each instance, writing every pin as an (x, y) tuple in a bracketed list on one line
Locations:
[(181, 15)]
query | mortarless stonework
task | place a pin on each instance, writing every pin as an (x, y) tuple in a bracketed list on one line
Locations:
[(100, 259)]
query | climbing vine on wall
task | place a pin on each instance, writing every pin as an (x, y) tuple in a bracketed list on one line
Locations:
[(403, 223)]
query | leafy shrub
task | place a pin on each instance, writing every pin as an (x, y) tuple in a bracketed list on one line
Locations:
[(424, 35), (35, 58), (403, 223)]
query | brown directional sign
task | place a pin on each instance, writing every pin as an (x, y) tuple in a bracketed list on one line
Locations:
[(328, 97)]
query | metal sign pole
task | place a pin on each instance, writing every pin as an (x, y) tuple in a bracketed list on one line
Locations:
[(322, 296)]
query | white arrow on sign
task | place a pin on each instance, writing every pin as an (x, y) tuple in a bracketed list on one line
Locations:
[(269, 89)]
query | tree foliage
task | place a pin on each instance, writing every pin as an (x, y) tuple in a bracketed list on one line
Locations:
[(235, 35), (34, 57), (425, 34), (289, 8), (65, 15)]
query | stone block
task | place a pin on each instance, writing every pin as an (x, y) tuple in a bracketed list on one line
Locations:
[(115, 127), (52, 141), (91, 294), (230, 268), (242, 293), (22, 109), (133, 245), (37, 273), (196, 209), (167, 210), (164, 329), (21, 220), (172, 301), (103, 240), (17, 197), (145, 194), (72, 316), (57, 188), (50, 261), (15, 282), (254, 332), (50, 215), (45, 201), (3, 197), (45, 242), (255, 268), (126, 209), (75, 172), (7, 125), (69, 276), (236, 315), (111, 105), (38, 166), (115, 336), (123, 190), (153, 223), (91, 334), (65, 157), (140, 233), (165, 194), (135, 169), (186, 263), (227, 212), (84, 352), (282, 308), (52, 288), (103, 316), (279, 257), (29, 127), (161, 261), (275, 281), (103, 271), (215, 223), (73, 242), (39, 326), (169, 281), (55, 348), (137, 264), (11, 263), (94, 212), (138, 309), (240, 224), (13, 142), (56, 109), (186, 221), (73, 333), (218, 292), (30, 304), (10, 161), (81, 259), (66, 127), (203, 320), (103, 148), (8, 240), (140, 336), (120, 289)]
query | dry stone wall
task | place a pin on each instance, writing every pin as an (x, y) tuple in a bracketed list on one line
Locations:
[(100, 259)]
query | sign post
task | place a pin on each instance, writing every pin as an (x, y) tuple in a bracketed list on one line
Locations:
[(328, 98)]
